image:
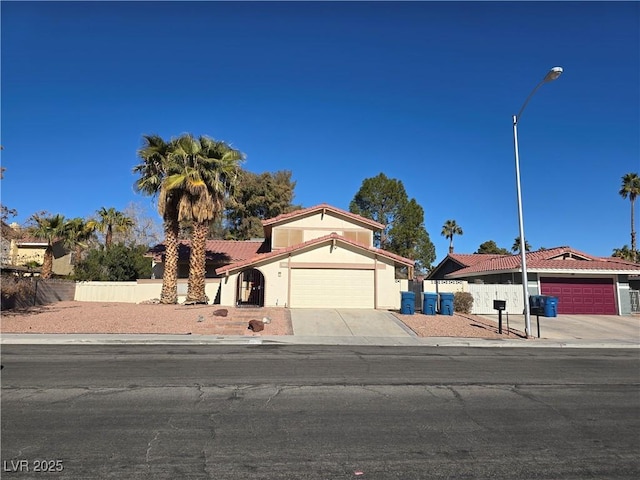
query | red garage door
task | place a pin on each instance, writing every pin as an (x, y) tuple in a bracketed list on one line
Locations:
[(581, 295)]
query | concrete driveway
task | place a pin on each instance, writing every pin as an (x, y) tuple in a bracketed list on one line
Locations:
[(580, 327), (327, 322)]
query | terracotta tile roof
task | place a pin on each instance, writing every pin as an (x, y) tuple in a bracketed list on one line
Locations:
[(469, 259), (308, 243), (544, 260), (583, 265), (221, 251), (323, 206)]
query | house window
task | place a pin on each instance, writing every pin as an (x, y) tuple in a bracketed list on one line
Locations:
[(285, 237), (363, 237)]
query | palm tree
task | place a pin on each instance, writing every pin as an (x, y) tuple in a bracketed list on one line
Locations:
[(51, 229), (203, 173), (515, 248), (449, 229), (631, 188), (110, 220), (623, 253), (153, 172), (77, 234)]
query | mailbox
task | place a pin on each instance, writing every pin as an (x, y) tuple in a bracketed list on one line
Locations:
[(536, 304), (500, 305)]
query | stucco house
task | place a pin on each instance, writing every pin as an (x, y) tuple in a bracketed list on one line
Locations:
[(583, 283), (19, 249), (319, 256)]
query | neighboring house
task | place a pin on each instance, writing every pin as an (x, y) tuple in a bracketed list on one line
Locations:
[(583, 283), (19, 250), (320, 256), (25, 250)]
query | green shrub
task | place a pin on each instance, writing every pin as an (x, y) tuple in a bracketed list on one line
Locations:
[(462, 302), (119, 263)]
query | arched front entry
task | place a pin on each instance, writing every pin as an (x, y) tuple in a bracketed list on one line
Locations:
[(250, 289)]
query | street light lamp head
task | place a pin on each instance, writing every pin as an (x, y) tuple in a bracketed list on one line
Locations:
[(554, 73)]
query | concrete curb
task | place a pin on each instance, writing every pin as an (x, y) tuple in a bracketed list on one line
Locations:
[(141, 339)]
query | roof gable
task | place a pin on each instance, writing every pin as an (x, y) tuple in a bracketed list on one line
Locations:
[(457, 261), (322, 208), (561, 253)]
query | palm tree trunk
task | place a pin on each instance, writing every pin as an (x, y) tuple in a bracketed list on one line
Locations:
[(108, 238), (170, 276), (197, 266), (634, 252), (451, 244), (47, 263)]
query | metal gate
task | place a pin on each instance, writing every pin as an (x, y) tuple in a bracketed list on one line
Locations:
[(417, 288), (635, 300), (250, 289)]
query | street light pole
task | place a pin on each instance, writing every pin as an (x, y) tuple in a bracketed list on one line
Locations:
[(554, 73)]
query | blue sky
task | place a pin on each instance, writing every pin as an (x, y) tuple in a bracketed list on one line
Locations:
[(336, 92)]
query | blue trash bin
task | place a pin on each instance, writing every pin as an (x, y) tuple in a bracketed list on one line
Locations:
[(430, 303), (446, 304), (551, 307), (407, 303)]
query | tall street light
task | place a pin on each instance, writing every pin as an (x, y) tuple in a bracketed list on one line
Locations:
[(554, 73)]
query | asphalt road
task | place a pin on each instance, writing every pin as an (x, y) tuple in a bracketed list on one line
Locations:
[(308, 412)]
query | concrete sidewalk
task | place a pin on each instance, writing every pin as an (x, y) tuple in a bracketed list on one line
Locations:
[(137, 339)]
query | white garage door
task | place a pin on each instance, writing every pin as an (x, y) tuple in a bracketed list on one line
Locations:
[(316, 288)]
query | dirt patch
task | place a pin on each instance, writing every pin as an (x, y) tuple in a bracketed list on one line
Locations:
[(456, 325), (114, 318)]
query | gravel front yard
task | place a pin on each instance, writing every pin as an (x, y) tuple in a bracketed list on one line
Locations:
[(457, 325), (104, 318)]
